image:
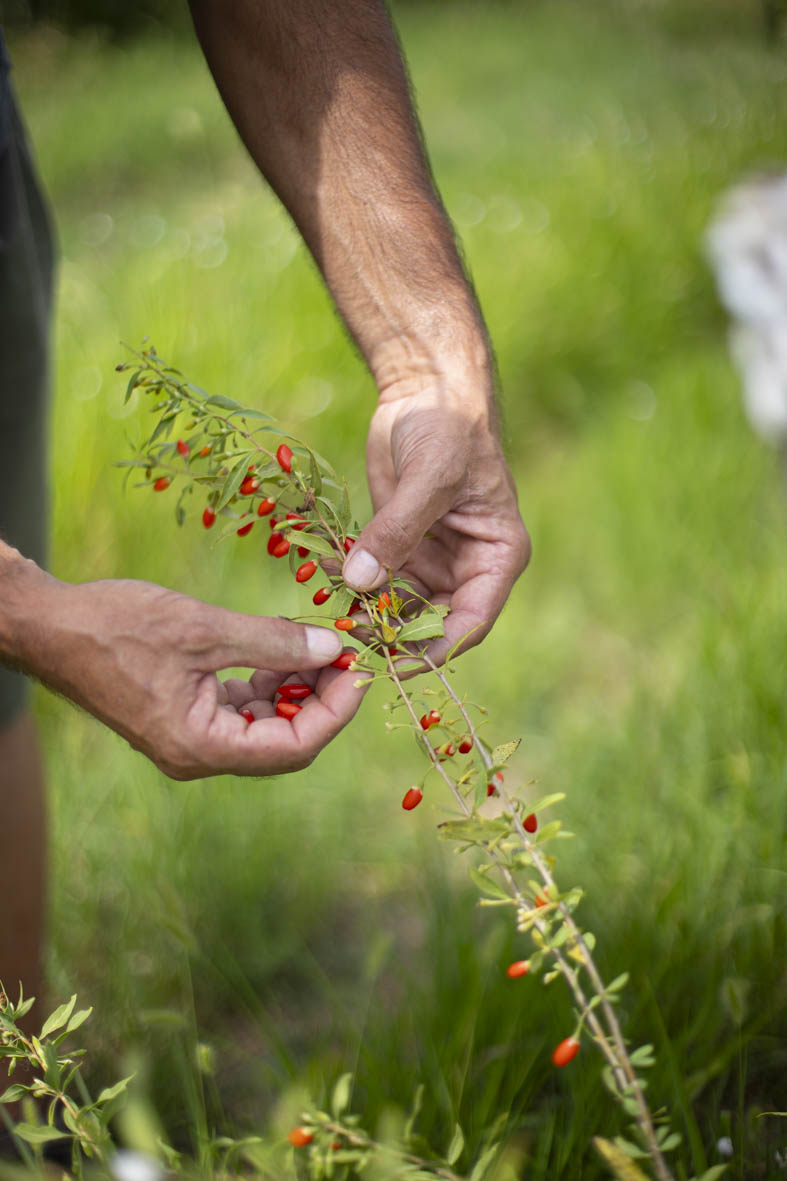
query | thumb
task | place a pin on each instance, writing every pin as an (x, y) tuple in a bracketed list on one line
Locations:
[(257, 641), (394, 532)]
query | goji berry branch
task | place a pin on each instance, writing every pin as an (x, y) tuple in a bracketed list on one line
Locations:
[(219, 452)]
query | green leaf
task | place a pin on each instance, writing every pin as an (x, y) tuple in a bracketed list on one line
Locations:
[(671, 1141), (343, 507), (313, 542), (425, 627), (622, 1167), (545, 802), (53, 1070), (315, 476), (487, 886), (60, 1016), (484, 1163), (341, 1095), (642, 1056), (619, 982), (79, 1017), (233, 482), (502, 753), (132, 381), (250, 412), (112, 1092), (631, 1149), (39, 1133), (14, 1092), (415, 1111), (712, 1174), (456, 1147), (340, 601), (224, 403), (548, 832)]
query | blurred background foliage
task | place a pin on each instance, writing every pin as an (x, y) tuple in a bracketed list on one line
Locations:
[(307, 925)]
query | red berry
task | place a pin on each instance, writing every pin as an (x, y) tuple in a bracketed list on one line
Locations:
[(306, 571), (344, 625), (265, 506), (281, 547), (412, 798), (204, 451), (300, 1137), (296, 691), (321, 596), (430, 719), (249, 486), (446, 752), (354, 607), (497, 781), (273, 522), (284, 457), (566, 1051), (297, 517), (303, 551), (466, 745), (349, 542), (161, 483), (273, 541), (530, 822), (247, 714), (287, 709), (344, 661), (208, 517), (384, 602), (244, 529), (518, 968), (183, 448)]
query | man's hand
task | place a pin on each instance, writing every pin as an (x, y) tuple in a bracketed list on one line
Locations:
[(318, 91), (435, 465), (144, 660)]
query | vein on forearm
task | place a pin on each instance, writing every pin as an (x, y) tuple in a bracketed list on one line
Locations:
[(319, 93)]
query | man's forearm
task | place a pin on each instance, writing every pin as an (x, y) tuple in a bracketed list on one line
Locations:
[(319, 94)]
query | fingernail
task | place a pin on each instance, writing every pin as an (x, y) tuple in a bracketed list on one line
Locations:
[(361, 570), (323, 644)]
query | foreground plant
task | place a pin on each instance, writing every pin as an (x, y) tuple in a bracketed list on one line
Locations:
[(242, 470), (54, 1098)]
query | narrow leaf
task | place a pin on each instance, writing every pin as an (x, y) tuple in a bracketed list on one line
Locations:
[(456, 1147), (313, 542), (14, 1092), (484, 1163), (112, 1092), (224, 403), (486, 886), (341, 1095), (425, 627), (233, 482), (621, 1166), (59, 1017), (39, 1133)]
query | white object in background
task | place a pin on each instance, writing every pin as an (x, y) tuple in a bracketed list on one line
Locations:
[(747, 245), (135, 1166)]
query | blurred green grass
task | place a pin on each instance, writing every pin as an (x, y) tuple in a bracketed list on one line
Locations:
[(642, 657)]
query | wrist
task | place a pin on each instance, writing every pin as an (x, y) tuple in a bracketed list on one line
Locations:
[(442, 357), (24, 589)]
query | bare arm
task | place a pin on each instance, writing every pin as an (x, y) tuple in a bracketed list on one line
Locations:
[(319, 93)]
